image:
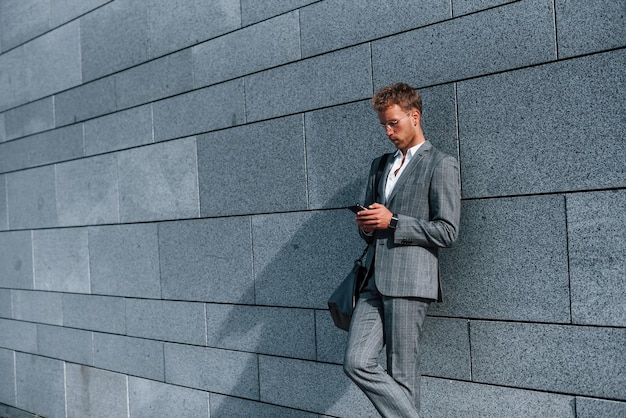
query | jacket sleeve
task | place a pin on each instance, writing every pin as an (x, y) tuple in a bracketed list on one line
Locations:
[(369, 196), (442, 229)]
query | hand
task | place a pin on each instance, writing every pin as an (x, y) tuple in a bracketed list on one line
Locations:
[(376, 216)]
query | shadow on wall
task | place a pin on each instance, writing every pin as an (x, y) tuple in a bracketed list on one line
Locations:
[(299, 258)]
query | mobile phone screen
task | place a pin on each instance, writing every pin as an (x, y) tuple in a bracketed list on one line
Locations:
[(357, 208)]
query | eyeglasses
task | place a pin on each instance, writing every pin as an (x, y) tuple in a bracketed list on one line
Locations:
[(391, 124)]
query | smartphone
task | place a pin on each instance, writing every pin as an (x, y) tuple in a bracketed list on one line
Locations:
[(357, 208)]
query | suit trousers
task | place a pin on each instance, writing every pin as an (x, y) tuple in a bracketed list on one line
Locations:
[(395, 322)]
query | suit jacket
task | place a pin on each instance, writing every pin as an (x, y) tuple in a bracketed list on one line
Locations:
[(427, 201)]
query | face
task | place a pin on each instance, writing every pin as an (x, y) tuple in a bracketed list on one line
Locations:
[(401, 127)]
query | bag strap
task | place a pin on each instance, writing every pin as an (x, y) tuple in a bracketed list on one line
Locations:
[(360, 259), (379, 172)]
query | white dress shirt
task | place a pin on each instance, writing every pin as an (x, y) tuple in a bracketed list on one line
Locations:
[(392, 177)]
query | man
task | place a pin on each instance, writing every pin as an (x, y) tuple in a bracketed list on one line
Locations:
[(414, 212)]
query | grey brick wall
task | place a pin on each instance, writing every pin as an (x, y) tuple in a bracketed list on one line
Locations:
[(172, 177)]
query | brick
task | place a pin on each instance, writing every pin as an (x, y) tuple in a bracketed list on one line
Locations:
[(592, 408), (42, 307), (85, 101), (253, 11), (61, 260), (299, 258), (9, 411), (4, 213), (333, 24), (31, 198), (277, 152), (284, 332), (62, 11), (341, 143), (94, 313), (584, 27), (154, 80), (207, 260), (159, 182), (134, 356), (226, 406), (67, 344), (439, 118), (161, 320), (597, 254), (148, 399), (22, 21), (327, 80), (87, 191), (330, 341), (510, 261), (498, 144), (114, 37), (503, 38), (449, 398), (267, 44), (95, 393), (7, 370), (176, 24), (587, 361), (31, 118), (40, 385), (120, 130), (445, 348), (18, 335), (6, 306), (43, 148), (3, 131), (16, 260), (462, 7), (209, 369), (53, 61), (13, 79), (124, 260), (212, 108), (315, 387)]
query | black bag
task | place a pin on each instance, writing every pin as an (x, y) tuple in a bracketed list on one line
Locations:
[(343, 300)]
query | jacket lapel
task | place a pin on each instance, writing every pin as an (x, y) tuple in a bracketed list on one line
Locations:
[(408, 171), (382, 184)]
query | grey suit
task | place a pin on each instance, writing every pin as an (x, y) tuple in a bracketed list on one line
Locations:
[(403, 278)]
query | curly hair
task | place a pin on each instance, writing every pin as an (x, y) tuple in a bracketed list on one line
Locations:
[(400, 94)]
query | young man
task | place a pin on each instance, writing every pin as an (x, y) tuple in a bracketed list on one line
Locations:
[(414, 212)]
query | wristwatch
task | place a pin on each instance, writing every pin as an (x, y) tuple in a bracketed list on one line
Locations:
[(393, 223)]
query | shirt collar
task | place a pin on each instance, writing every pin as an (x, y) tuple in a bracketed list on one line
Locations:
[(410, 152)]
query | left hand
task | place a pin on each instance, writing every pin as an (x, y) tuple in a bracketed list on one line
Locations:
[(376, 216)]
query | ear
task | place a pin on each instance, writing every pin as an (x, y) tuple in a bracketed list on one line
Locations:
[(417, 117)]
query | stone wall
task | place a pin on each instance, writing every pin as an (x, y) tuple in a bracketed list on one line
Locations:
[(172, 182)]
